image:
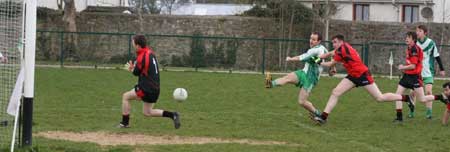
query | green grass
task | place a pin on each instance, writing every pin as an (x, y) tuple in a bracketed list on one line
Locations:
[(227, 106)]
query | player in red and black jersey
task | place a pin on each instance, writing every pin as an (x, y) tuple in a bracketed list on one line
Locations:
[(147, 89), (412, 78), (358, 76)]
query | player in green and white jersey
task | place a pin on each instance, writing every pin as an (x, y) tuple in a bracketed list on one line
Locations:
[(306, 78), (430, 56)]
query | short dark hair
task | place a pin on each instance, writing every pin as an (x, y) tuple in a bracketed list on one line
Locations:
[(140, 40), (339, 37), (446, 85), (413, 35), (423, 27), (319, 36)]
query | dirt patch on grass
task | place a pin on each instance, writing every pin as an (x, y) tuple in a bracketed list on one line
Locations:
[(104, 139)]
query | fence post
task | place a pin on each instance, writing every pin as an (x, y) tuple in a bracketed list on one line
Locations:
[(61, 53), (263, 64), (366, 53), (129, 47)]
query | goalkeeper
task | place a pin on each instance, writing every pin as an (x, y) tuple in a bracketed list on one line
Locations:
[(306, 78)]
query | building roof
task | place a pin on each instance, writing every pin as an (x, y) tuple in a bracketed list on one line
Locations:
[(211, 9)]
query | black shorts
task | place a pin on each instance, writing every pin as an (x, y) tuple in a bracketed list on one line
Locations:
[(411, 81), (363, 80), (149, 97)]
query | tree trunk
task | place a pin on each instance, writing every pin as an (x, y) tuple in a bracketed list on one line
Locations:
[(288, 50), (141, 18), (327, 19), (280, 43), (442, 25), (69, 19), (70, 16), (59, 4)]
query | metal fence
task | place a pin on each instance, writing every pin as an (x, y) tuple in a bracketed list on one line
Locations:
[(198, 52)]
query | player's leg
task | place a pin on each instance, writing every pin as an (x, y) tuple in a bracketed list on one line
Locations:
[(147, 110), (429, 105), (389, 97), (422, 97), (343, 86), (126, 107), (413, 99), (290, 78), (446, 115), (303, 101), (399, 104), (386, 97), (149, 101)]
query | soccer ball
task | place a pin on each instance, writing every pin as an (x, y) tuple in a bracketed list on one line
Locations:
[(180, 94)]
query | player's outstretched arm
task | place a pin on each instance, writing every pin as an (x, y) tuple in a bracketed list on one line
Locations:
[(289, 59), (331, 63), (327, 55), (304, 57)]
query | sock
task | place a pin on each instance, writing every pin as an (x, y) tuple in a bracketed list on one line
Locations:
[(125, 119), (324, 115), (274, 83), (405, 98), (167, 114), (440, 98), (399, 114), (317, 112), (429, 111)]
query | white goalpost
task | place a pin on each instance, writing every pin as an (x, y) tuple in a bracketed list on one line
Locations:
[(17, 49)]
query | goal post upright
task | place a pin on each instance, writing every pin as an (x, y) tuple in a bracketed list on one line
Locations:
[(29, 53)]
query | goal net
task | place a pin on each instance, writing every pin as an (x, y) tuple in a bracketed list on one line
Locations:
[(11, 48)]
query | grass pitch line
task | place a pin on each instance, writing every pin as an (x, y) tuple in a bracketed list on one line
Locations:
[(113, 139), (318, 130)]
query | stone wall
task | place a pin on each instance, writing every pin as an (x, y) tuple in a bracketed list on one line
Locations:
[(248, 53)]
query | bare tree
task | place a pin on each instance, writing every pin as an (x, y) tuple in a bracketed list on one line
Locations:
[(59, 3), (145, 6), (69, 18), (170, 5), (323, 11)]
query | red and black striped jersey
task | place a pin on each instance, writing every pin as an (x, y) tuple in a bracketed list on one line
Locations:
[(146, 68), (414, 55), (351, 60)]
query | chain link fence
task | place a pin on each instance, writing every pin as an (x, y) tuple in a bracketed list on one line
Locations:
[(197, 52)]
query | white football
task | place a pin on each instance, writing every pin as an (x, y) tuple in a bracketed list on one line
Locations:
[(180, 94)]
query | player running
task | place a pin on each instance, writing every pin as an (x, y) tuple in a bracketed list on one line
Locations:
[(431, 54), (446, 96), (147, 89), (306, 78), (412, 78), (358, 76)]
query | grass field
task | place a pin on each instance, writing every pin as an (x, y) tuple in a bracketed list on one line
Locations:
[(226, 106)]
